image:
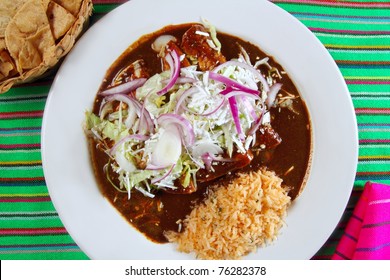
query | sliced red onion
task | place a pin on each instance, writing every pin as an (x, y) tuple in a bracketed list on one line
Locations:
[(236, 118), (188, 93), (246, 66), (257, 124), (139, 137), (208, 161), (145, 122), (158, 179), (250, 108), (183, 96), (124, 88), (231, 83), (105, 107), (271, 96), (156, 167), (206, 147), (234, 110), (240, 93), (124, 163), (184, 126), (161, 42), (181, 80), (167, 149), (134, 107), (173, 60)]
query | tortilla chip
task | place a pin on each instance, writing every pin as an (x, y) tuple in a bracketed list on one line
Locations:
[(8, 9), (7, 67), (3, 46), (72, 6), (28, 36), (36, 34), (60, 19)]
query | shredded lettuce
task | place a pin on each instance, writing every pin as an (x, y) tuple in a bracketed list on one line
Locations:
[(205, 109)]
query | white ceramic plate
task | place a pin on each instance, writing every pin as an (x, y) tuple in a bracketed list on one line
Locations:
[(96, 226)]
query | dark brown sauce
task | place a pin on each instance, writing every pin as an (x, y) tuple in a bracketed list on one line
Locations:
[(154, 216)]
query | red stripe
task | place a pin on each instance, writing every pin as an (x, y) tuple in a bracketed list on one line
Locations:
[(354, 32), (365, 82), (22, 179), (374, 141), (24, 114), (372, 111), (26, 199), (353, 62), (32, 231), (19, 146), (373, 173)]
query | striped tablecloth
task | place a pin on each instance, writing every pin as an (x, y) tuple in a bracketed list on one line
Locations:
[(357, 35)]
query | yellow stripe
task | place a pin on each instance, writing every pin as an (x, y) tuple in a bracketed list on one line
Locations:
[(367, 78), (23, 194), (374, 157), (357, 47), (21, 162)]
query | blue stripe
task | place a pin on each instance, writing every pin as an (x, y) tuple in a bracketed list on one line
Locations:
[(363, 66), (372, 177), (18, 130)]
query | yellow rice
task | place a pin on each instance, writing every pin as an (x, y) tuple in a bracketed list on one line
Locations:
[(235, 219)]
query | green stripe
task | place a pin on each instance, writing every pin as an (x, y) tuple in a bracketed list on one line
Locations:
[(344, 25), (7, 156), (374, 150), (362, 72), (368, 88), (32, 223), (317, 9), (23, 190), (362, 167), (30, 139), (22, 172), (27, 240), (354, 40), (104, 8), (23, 106), (25, 90), (20, 123), (26, 207), (371, 103), (339, 46), (46, 256)]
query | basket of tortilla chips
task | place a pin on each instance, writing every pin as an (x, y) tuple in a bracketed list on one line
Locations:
[(36, 34)]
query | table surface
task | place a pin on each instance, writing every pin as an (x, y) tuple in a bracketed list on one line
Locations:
[(356, 34)]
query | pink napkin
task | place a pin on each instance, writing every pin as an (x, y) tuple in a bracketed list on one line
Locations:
[(367, 235)]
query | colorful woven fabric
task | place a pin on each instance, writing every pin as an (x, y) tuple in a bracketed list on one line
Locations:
[(357, 35), (367, 235)]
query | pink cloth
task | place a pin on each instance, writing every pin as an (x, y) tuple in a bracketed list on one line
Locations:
[(367, 235)]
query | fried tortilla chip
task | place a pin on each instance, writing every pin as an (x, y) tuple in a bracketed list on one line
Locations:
[(7, 66), (36, 34), (72, 6), (8, 9), (28, 36), (60, 19)]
